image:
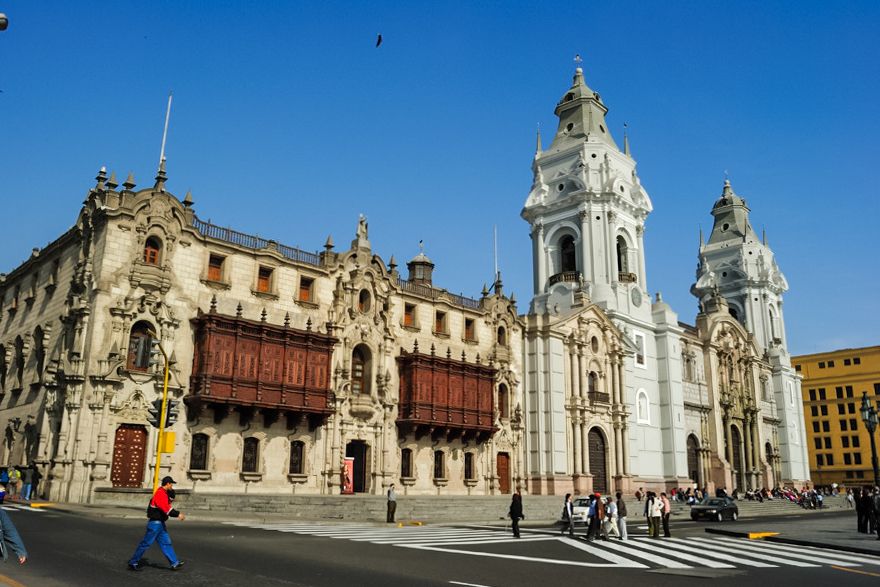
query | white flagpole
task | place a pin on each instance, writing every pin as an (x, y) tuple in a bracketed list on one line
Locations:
[(165, 132)]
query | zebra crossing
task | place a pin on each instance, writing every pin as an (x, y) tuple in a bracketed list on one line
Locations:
[(21, 508), (639, 552)]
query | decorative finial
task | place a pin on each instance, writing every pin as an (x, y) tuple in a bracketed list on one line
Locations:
[(416, 347), (112, 183), (101, 177), (658, 297), (478, 358), (421, 246), (263, 315), (213, 308), (161, 177), (238, 310), (309, 324), (764, 236), (328, 245), (129, 182), (287, 319), (701, 237), (188, 199), (625, 140), (463, 357), (578, 61), (485, 292), (433, 350), (448, 353), (513, 298), (392, 263), (538, 148)]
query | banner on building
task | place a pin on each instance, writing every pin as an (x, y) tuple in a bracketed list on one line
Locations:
[(348, 476)]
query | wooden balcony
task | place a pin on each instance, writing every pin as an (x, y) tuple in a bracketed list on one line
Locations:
[(254, 365), (445, 397)]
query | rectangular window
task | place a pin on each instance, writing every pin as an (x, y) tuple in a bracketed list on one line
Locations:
[(439, 465), (839, 392), (822, 393), (814, 411), (305, 288), (639, 339), (215, 268), (821, 364), (829, 460), (826, 426), (409, 315), (827, 442), (844, 441), (406, 462), (198, 458), (820, 460), (830, 364), (264, 280), (824, 410), (849, 475), (843, 425), (852, 424), (470, 333), (877, 389), (249, 455), (296, 457), (858, 458), (812, 395), (851, 408), (849, 391), (469, 465), (847, 459), (846, 362), (797, 368), (440, 322), (815, 427), (841, 409), (817, 442), (857, 361), (855, 442), (860, 474)]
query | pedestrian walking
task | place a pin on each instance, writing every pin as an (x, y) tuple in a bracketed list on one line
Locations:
[(666, 512), (392, 504), (600, 517), (655, 512), (567, 516), (516, 512), (621, 515), (611, 519), (861, 515), (850, 500), (35, 485), (27, 480), (14, 478), (591, 517), (11, 539), (649, 508), (158, 512), (639, 494), (876, 507)]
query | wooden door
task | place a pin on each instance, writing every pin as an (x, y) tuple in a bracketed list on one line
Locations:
[(503, 466), (737, 466), (693, 459), (597, 461), (129, 456)]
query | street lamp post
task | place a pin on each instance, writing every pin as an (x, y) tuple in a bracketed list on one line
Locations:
[(163, 414), (869, 417)]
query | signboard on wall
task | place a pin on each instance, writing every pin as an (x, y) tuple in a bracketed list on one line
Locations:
[(348, 476)]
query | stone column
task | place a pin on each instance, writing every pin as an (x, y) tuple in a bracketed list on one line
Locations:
[(576, 436), (585, 448), (539, 253), (618, 457), (728, 431), (625, 447), (572, 391), (747, 442), (582, 375), (587, 261), (643, 277)]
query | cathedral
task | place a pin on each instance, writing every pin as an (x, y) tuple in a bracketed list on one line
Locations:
[(299, 372)]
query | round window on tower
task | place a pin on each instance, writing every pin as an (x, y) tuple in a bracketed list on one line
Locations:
[(569, 126), (560, 187), (725, 226)]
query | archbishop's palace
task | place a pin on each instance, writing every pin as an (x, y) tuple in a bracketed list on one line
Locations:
[(288, 363)]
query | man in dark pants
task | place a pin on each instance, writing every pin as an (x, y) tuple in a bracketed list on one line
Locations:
[(567, 516), (516, 512), (392, 504), (158, 513)]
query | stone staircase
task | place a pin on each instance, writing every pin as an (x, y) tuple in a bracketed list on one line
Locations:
[(755, 509)]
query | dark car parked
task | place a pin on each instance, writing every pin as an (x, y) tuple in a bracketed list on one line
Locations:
[(715, 508)]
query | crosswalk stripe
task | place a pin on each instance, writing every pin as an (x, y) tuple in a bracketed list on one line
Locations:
[(19, 508), (660, 560), (826, 557), (608, 556), (773, 557), (723, 555), (821, 552), (685, 555)]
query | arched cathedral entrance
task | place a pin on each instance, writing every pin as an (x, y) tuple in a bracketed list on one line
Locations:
[(360, 452), (598, 451), (693, 460)]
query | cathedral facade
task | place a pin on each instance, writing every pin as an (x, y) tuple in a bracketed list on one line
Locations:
[(329, 372)]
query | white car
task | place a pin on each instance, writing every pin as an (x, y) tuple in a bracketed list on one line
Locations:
[(579, 507)]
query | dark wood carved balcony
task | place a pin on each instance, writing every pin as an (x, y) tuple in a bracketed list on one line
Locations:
[(445, 397), (565, 276), (598, 397), (250, 365)]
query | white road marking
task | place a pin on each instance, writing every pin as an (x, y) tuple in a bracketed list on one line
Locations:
[(725, 555), (684, 554), (758, 555), (633, 551), (761, 547)]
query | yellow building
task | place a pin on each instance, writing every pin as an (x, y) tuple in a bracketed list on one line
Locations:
[(839, 445)]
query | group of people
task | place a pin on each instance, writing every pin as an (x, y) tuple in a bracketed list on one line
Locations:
[(19, 482), (867, 505), (606, 517)]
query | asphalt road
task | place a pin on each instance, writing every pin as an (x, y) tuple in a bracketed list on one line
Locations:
[(69, 549)]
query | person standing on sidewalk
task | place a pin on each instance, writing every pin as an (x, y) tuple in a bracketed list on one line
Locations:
[(516, 512), (392, 504), (567, 516), (621, 515), (667, 511), (12, 484), (876, 507), (158, 513), (27, 481)]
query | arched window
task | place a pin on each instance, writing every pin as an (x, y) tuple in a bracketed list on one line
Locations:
[(360, 369), (406, 469), (139, 347), (198, 456), (152, 251), (643, 415), (622, 260), (439, 465), (593, 382), (502, 335), (297, 450), (250, 455), (773, 334), (364, 301), (503, 399), (567, 255)]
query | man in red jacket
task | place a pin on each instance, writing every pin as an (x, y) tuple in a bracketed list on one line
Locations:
[(158, 513)]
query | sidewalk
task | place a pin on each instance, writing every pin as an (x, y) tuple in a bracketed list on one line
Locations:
[(835, 529)]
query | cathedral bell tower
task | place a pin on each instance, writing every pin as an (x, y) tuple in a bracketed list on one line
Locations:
[(587, 210)]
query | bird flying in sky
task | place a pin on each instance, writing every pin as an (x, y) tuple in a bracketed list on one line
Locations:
[(378, 40)]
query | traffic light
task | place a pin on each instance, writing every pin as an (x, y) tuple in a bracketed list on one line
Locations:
[(155, 411), (172, 413), (155, 353)]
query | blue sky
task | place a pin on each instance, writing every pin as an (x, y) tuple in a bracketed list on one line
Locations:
[(288, 123)]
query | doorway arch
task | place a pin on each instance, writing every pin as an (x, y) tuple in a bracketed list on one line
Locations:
[(598, 450), (693, 460)]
